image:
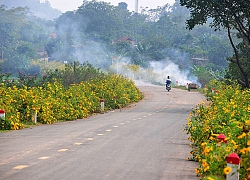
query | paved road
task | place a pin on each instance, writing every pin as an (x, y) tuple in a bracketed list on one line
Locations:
[(140, 142)]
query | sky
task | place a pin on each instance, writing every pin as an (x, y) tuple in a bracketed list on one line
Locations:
[(70, 5)]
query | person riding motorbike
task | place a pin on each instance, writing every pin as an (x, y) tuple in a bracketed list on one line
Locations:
[(168, 82)]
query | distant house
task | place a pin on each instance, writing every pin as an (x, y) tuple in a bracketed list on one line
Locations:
[(199, 61), (42, 53), (53, 35), (128, 39)]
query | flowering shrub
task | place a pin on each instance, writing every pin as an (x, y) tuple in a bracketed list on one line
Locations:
[(228, 114), (54, 102)]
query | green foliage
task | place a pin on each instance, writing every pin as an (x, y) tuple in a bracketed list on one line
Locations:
[(203, 74), (74, 73), (52, 101), (236, 71), (228, 114), (42, 10), (234, 16), (154, 35), (28, 80), (4, 124), (103, 19), (20, 40)]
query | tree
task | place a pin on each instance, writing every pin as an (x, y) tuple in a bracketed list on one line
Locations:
[(218, 51), (203, 74), (42, 10), (103, 19), (19, 39), (123, 5), (234, 16)]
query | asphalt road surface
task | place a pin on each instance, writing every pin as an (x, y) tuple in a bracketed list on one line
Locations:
[(141, 142)]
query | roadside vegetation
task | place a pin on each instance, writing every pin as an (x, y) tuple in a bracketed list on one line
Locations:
[(228, 113), (61, 99), (61, 68)]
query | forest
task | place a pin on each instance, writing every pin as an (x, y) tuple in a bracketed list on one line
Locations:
[(105, 35)]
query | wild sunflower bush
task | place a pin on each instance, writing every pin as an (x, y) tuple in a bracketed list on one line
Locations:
[(54, 102), (228, 114)]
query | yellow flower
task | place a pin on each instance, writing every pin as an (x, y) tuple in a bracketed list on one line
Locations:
[(227, 170), (209, 178), (206, 168), (207, 150), (248, 149), (211, 138), (248, 143), (233, 142), (242, 135), (236, 146), (204, 163), (248, 176), (197, 171), (203, 144)]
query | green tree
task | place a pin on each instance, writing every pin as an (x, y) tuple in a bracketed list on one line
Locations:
[(204, 76), (10, 23), (42, 10), (10, 37), (218, 51), (103, 19), (20, 37), (234, 16), (235, 72)]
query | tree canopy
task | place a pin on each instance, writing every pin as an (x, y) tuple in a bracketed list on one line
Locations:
[(234, 16), (98, 32), (42, 10)]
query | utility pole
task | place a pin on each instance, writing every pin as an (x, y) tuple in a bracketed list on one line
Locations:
[(136, 6), (136, 19)]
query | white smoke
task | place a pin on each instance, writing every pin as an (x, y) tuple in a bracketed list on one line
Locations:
[(95, 54), (156, 73), (167, 68), (86, 50)]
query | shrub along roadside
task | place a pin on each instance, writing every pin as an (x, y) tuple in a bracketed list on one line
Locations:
[(228, 114), (54, 102)]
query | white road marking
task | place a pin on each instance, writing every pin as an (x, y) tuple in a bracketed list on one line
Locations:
[(90, 139), (108, 130), (62, 150), (115, 126), (44, 157), (78, 143), (20, 167), (100, 134)]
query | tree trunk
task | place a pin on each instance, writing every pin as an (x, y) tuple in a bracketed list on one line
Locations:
[(244, 83)]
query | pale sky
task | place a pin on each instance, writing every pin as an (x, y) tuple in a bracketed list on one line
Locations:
[(70, 5)]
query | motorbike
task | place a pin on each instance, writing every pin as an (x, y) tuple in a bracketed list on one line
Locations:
[(168, 87)]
